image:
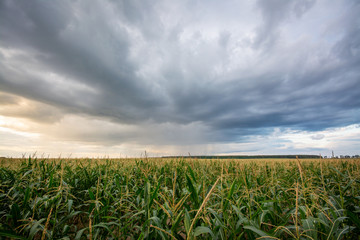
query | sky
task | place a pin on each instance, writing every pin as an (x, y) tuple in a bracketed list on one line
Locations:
[(108, 78)]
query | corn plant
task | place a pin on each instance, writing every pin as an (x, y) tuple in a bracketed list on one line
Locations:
[(163, 198)]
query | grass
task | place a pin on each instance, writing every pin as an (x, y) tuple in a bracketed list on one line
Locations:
[(179, 198)]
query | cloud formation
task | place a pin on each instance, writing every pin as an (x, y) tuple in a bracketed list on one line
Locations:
[(190, 72)]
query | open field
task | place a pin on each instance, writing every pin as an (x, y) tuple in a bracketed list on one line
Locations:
[(165, 198)]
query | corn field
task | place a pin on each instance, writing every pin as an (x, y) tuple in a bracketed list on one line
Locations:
[(160, 198)]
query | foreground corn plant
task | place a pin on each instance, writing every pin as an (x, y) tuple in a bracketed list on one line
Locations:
[(179, 199)]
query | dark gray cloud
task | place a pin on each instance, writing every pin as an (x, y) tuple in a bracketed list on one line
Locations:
[(275, 13), (83, 54), (287, 64)]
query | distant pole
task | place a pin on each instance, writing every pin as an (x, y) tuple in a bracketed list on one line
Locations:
[(332, 153)]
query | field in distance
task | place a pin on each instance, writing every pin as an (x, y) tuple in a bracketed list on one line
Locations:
[(179, 198)]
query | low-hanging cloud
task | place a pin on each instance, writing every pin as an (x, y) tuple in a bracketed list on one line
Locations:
[(229, 70)]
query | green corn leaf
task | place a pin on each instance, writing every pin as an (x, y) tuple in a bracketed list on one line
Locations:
[(110, 195), (229, 196), (202, 230), (162, 234), (217, 217), (36, 227), (154, 195), (324, 221), (106, 227), (80, 233), (15, 213), (27, 196), (9, 234), (70, 203), (117, 182), (192, 174), (309, 227), (147, 199), (341, 232), (335, 226), (177, 221), (353, 218), (237, 210), (147, 192), (156, 221), (138, 213), (68, 217), (187, 222), (242, 218), (91, 194), (262, 234), (337, 171), (302, 211), (51, 181), (27, 173), (193, 193), (141, 237), (265, 216), (66, 229)]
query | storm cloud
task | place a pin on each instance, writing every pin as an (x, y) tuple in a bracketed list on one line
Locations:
[(190, 72)]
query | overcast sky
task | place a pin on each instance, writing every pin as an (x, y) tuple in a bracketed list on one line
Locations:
[(117, 78)]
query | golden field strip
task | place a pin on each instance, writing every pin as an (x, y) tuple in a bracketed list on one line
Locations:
[(179, 198)]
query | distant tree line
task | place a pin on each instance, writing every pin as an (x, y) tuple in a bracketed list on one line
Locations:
[(245, 156)]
